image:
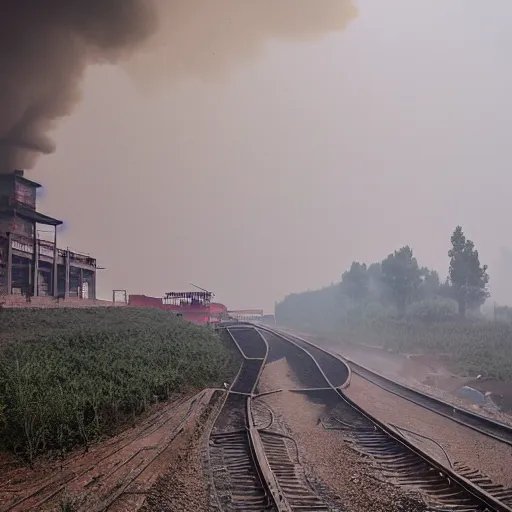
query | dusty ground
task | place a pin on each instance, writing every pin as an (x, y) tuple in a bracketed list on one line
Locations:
[(427, 373), (155, 465), (461, 444), (324, 455)]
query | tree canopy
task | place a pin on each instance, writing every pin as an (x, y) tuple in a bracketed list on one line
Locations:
[(402, 276), (468, 278), (396, 283), (355, 282)]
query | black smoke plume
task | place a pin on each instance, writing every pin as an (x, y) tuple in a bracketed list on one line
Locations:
[(45, 46)]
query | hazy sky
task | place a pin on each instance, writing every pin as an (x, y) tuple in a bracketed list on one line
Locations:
[(303, 154)]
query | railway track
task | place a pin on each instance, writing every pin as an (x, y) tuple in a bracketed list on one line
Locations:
[(492, 428), (498, 430), (238, 475), (251, 469), (397, 456)]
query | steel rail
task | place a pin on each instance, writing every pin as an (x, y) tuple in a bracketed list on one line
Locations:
[(487, 426), (497, 430), (262, 466), (476, 492)]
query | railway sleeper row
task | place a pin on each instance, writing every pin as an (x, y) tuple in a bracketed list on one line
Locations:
[(401, 465), (237, 482), (492, 428), (290, 475), (475, 476), (399, 461)]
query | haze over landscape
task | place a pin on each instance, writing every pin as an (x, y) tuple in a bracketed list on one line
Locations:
[(270, 162), (336, 173)]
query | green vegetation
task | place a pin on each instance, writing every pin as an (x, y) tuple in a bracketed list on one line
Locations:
[(469, 279), (404, 307), (68, 376)]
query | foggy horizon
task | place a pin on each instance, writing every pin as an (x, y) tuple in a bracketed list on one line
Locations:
[(309, 150)]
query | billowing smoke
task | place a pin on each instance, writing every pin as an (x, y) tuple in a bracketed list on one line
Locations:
[(205, 39), (45, 46)]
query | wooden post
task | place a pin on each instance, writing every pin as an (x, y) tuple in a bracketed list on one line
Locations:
[(55, 266), (35, 264), (92, 292), (68, 269), (9, 264)]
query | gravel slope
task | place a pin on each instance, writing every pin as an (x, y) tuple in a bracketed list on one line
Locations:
[(461, 444), (325, 457)]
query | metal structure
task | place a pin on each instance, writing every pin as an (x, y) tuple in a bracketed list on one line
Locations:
[(455, 487), (30, 266), (193, 299), (246, 315), (194, 306), (123, 294)]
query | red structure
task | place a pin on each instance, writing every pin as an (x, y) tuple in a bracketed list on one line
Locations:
[(195, 307)]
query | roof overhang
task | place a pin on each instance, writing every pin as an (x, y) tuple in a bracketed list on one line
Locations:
[(36, 217)]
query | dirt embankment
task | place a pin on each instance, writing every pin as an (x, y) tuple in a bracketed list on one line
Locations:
[(328, 461), (153, 466), (429, 373)]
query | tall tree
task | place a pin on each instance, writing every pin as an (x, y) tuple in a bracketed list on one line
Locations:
[(430, 283), (375, 287), (401, 274), (355, 282), (468, 278)]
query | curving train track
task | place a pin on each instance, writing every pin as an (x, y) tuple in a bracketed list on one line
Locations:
[(250, 467), (255, 468)]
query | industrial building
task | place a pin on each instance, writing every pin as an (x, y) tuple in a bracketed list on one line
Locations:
[(30, 266), (194, 306)]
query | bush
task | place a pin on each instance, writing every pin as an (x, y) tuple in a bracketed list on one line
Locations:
[(433, 310), (70, 376), (503, 313), (472, 347)]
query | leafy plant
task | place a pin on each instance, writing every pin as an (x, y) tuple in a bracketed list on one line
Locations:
[(468, 278), (70, 376)]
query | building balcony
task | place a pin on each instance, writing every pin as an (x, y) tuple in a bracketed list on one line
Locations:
[(23, 246)]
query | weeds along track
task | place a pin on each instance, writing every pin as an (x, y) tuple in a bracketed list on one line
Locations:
[(396, 456)]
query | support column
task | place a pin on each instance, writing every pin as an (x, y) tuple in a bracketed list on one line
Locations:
[(81, 283), (9, 264), (55, 274), (92, 292), (68, 268), (35, 265)]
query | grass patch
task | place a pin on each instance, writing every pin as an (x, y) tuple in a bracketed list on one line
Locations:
[(68, 376), (471, 347)]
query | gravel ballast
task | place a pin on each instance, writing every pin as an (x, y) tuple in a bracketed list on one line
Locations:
[(461, 444), (326, 458)]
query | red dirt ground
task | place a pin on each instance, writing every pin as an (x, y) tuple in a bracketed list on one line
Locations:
[(415, 369), (120, 473)]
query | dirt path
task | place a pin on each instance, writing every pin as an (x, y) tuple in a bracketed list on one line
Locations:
[(155, 465)]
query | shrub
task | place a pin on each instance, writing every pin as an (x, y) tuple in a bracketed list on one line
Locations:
[(68, 377), (433, 310)]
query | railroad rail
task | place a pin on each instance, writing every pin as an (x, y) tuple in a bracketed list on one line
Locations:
[(241, 476), (487, 426), (399, 457), (252, 468), (496, 429)]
